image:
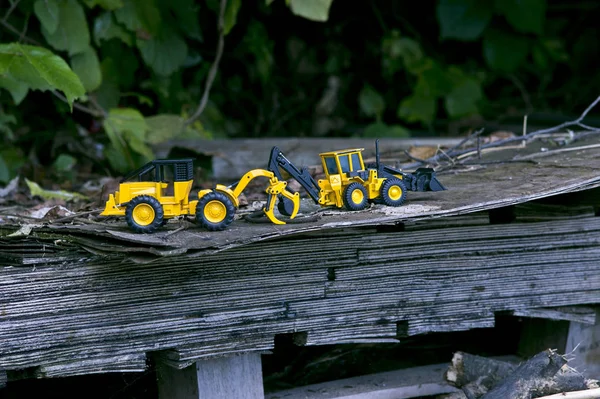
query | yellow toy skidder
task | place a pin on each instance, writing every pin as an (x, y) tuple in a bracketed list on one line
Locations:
[(160, 189)]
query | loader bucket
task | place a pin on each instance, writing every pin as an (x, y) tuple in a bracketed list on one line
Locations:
[(427, 180)]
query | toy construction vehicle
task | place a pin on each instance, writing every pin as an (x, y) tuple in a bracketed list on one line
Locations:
[(160, 190)]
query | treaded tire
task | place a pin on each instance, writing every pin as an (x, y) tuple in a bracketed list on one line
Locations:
[(155, 221), (353, 200), (215, 211), (393, 192)]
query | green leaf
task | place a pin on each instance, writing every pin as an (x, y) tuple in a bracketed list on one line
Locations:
[(106, 4), (87, 66), (39, 69), (380, 129), (401, 51), (4, 172), (164, 127), (463, 19), (48, 13), (230, 17), (526, 16), (5, 122), (504, 51), (72, 34), (105, 28), (371, 102), (18, 90), (127, 126), (138, 14), (165, 53), (421, 106), (315, 10), (64, 163), (186, 14), (464, 97), (108, 94)]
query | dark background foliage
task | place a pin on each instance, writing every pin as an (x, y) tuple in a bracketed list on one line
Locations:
[(289, 68)]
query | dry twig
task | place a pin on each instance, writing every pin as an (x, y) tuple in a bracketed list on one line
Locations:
[(455, 152)]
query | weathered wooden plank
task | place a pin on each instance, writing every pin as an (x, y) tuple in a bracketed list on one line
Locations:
[(400, 384), (342, 287), (584, 348), (578, 314), (238, 376)]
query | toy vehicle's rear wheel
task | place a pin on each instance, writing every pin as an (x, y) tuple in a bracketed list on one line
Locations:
[(393, 192), (215, 211), (355, 197), (144, 214)]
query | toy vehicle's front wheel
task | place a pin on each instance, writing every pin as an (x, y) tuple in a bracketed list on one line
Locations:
[(393, 192), (215, 211), (144, 214), (355, 197)]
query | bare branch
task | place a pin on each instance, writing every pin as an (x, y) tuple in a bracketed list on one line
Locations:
[(82, 108), (10, 10), (455, 151), (212, 73), (16, 32)]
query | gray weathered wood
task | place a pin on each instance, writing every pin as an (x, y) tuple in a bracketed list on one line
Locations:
[(400, 384), (579, 314), (86, 298), (584, 349), (238, 376), (3, 378), (62, 317)]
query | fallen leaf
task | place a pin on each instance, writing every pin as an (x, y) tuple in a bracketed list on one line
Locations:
[(10, 187), (422, 152), (35, 189)]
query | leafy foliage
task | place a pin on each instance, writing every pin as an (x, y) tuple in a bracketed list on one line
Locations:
[(138, 70)]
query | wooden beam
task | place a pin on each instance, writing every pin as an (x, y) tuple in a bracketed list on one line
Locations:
[(399, 384), (227, 377), (582, 346)]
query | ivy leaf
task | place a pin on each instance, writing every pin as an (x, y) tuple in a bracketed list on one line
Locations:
[(504, 51), (230, 17), (421, 106), (315, 10), (165, 53), (380, 129), (39, 69), (396, 48), (72, 34), (105, 28), (186, 14), (463, 19), (47, 12), (106, 4), (371, 102), (164, 127), (464, 97), (526, 16), (4, 172), (127, 127), (137, 15), (87, 66), (18, 90)]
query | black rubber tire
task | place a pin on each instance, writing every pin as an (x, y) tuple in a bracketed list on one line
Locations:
[(156, 223), (285, 206), (391, 185), (227, 206), (352, 204)]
